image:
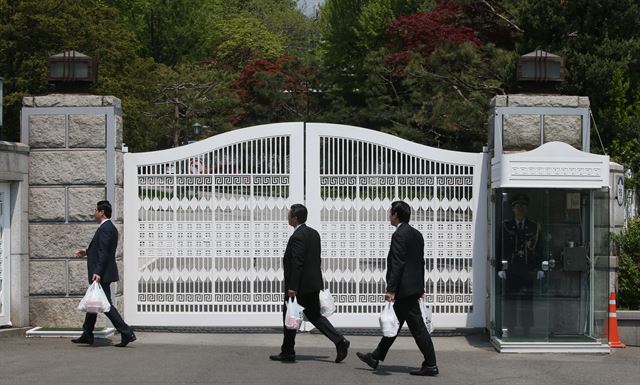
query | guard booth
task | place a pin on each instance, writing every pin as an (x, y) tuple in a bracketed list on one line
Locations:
[(549, 227)]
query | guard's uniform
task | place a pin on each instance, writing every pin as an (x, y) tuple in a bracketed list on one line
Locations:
[(522, 249)]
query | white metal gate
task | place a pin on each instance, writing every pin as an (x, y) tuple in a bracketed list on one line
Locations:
[(353, 175), (5, 253), (206, 228)]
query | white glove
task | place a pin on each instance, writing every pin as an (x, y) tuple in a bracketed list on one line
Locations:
[(540, 274), (502, 274)]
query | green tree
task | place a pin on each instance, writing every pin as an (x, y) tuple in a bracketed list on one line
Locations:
[(187, 94), (169, 31), (420, 70), (31, 30), (599, 41)]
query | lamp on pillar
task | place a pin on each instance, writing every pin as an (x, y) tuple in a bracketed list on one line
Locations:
[(72, 71), (540, 71)]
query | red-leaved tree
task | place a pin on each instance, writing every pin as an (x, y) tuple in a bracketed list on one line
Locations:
[(273, 91), (423, 32)]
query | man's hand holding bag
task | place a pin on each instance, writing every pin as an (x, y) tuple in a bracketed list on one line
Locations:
[(95, 301), (389, 321), (293, 318)]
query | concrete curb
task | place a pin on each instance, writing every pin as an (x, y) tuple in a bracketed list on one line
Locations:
[(39, 332), (13, 332)]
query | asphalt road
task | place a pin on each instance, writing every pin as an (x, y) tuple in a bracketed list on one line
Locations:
[(183, 358)]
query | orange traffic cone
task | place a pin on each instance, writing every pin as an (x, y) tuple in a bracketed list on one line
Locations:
[(614, 338)]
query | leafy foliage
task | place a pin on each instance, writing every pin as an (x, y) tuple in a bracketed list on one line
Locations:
[(421, 33), (31, 30), (628, 242), (273, 91), (599, 41), (421, 69)]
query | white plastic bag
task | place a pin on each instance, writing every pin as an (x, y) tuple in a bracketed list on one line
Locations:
[(327, 305), (425, 309), (95, 301), (388, 321), (293, 318)]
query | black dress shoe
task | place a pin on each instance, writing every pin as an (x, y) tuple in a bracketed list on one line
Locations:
[(283, 357), (126, 340), (343, 349), (84, 339), (368, 359), (425, 371)]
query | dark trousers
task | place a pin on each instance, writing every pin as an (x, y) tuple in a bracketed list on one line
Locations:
[(311, 304), (408, 309), (112, 314), (518, 301)]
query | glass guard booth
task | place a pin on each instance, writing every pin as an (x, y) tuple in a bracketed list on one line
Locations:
[(549, 226), (551, 265)]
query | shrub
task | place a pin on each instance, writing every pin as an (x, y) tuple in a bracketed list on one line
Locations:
[(628, 242)]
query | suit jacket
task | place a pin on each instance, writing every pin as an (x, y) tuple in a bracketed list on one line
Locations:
[(405, 262), (101, 253), (301, 262)]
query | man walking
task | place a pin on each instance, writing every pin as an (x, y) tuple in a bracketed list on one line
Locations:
[(303, 280), (405, 286), (102, 268)]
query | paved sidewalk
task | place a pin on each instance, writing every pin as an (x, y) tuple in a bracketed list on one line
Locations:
[(182, 358)]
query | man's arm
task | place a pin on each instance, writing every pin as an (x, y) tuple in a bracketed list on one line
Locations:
[(103, 253), (398, 254), (297, 261)]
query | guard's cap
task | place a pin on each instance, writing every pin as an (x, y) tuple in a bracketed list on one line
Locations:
[(520, 199)]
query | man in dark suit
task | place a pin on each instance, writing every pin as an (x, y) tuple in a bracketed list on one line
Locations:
[(303, 280), (102, 268), (520, 267), (405, 286)]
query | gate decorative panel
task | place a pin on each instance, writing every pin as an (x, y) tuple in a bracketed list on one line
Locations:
[(5, 270), (207, 226), (353, 175)]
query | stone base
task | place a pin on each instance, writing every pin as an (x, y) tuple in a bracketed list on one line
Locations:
[(59, 312), (629, 327)]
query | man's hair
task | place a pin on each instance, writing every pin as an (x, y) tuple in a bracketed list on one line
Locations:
[(106, 207), (300, 212), (402, 210)]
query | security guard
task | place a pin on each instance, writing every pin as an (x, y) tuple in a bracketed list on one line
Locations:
[(519, 266)]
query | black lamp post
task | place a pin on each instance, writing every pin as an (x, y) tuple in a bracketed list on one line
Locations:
[(196, 129)]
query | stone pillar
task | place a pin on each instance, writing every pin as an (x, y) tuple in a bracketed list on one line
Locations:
[(75, 161), (14, 169), (532, 127)]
